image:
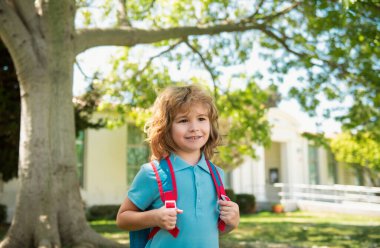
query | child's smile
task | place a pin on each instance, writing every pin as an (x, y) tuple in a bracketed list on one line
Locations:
[(190, 130), (193, 138)]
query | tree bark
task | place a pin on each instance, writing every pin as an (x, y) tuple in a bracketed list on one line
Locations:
[(49, 209)]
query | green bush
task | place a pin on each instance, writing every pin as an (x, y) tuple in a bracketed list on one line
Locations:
[(3, 213), (246, 202), (102, 212), (231, 194)]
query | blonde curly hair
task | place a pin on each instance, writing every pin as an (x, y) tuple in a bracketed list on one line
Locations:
[(169, 103)]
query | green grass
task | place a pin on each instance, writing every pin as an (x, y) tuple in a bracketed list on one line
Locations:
[(303, 229), (109, 229), (296, 229)]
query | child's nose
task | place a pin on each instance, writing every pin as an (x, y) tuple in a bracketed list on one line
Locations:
[(194, 126)]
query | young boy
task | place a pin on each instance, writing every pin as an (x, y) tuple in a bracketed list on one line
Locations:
[(184, 132)]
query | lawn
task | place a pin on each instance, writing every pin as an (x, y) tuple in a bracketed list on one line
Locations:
[(296, 229), (303, 229)]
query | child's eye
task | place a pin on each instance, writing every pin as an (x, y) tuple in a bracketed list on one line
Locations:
[(182, 121), (202, 118)]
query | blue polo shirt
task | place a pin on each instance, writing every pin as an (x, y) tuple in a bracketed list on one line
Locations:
[(196, 197)]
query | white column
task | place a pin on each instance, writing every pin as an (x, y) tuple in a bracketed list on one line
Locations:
[(323, 166), (259, 175), (285, 162), (242, 181), (306, 175), (301, 158), (237, 180)]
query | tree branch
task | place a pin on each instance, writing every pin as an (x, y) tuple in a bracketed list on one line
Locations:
[(257, 10), (122, 17), (147, 8), (122, 12), (87, 38), (208, 68), (82, 71), (127, 36), (281, 40), (154, 57), (270, 17), (16, 37), (28, 17)]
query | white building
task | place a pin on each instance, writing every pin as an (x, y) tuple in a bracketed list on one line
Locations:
[(306, 176), (109, 159)]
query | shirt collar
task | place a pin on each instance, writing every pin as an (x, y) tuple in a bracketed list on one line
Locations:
[(180, 164)]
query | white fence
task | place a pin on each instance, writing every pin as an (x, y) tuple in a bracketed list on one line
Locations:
[(355, 199)]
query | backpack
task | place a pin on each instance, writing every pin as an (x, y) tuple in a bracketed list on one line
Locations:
[(168, 195)]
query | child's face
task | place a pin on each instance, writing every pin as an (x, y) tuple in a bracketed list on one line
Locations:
[(191, 129)]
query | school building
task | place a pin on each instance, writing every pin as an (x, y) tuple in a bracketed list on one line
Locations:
[(290, 171)]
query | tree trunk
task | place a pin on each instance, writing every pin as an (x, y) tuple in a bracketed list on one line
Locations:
[(373, 176), (49, 210)]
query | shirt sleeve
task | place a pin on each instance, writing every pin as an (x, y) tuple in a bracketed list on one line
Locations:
[(144, 188)]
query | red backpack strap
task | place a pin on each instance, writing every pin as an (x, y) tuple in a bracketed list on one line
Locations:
[(168, 197), (172, 194), (221, 193), (159, 182)]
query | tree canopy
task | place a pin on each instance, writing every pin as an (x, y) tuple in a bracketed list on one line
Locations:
[(335, 45), (342, 63), (359, 150), (334, 48)]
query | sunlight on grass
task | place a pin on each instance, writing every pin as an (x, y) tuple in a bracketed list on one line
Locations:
[(288, 230), (304, 229), (305, 217), (296, 229)]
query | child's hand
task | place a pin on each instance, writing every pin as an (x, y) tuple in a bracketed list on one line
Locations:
[(166, 218), (229, 213)]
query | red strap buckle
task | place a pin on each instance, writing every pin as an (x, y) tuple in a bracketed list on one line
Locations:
[(170, 204)]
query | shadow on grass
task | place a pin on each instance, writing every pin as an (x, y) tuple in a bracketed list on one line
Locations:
[(108, 229), (290, 230), (268, 230)]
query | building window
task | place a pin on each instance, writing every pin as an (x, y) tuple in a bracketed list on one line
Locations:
[(332, 168), (313, 165), (137, 152), (274, 176), (79, 144)]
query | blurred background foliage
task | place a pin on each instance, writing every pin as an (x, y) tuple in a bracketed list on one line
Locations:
[(334, 45)]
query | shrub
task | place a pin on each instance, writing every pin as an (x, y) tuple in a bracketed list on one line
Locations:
[(246, 202), (3, 213), (231, 194), (102, 212)]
